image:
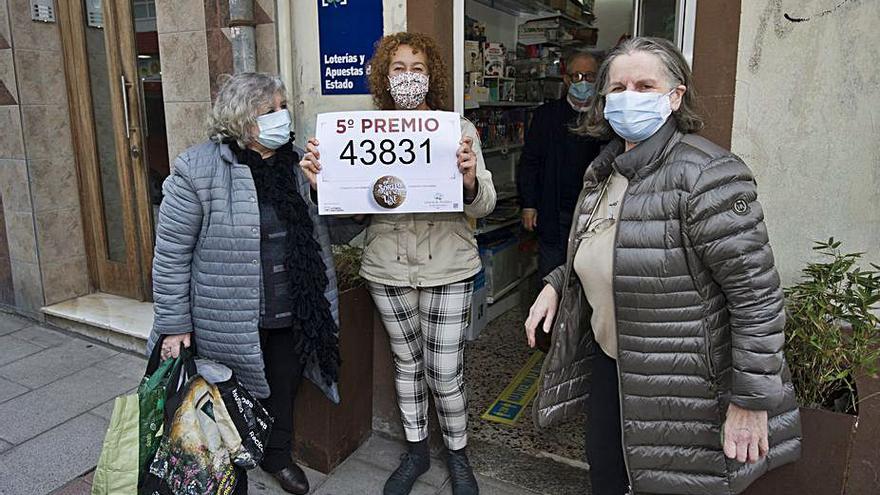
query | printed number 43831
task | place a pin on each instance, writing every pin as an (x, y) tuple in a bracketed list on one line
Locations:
[(388, 152)]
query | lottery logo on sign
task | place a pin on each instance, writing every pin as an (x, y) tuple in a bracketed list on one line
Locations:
[(389, 192), (389, 161)]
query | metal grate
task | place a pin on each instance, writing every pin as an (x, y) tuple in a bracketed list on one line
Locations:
[(43, 10)]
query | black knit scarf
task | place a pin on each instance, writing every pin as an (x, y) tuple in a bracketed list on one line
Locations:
[(276, 185)]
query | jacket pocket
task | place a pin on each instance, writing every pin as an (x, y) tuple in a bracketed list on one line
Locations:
[(206, 227)]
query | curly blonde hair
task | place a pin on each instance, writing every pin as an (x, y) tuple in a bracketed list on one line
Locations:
[(381, 63)]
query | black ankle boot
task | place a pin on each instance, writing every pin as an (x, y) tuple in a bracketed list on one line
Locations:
[(413, 464), (461, 474)]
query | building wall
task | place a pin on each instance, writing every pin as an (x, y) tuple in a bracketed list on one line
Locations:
[(614, 18), (195, 50), (805, 120), (716, 38), (38, 184), (306, 101)]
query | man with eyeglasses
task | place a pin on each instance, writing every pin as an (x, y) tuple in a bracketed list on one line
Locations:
[(553, 162)]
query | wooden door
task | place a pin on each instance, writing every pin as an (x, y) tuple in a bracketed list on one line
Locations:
[(102, 79)]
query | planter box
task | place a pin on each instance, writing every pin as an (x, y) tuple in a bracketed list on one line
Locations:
[(841, 453), (822, 469), (864, 465), (325, 434)]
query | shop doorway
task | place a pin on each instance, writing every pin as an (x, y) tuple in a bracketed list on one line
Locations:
[(117, 117)]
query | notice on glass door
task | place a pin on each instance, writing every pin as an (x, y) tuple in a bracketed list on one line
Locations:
[(347, 31)]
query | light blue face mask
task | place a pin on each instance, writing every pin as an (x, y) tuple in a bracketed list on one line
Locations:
[(274, 129), (637, 116), (581, 91)]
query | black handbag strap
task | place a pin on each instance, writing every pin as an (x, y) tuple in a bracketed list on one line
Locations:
[(155, 357)]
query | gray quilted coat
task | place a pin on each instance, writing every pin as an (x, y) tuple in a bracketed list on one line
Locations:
[(206, 268), (699, 313)]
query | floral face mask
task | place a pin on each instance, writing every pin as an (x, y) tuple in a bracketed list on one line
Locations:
[(408, 89)]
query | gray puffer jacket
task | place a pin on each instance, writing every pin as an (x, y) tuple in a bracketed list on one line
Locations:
[(699, 313), (206, 268)]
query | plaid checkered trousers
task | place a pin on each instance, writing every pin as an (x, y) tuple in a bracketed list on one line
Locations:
[(426, 329)]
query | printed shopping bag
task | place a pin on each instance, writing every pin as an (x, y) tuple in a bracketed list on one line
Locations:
[(195, 454), (250, 419)]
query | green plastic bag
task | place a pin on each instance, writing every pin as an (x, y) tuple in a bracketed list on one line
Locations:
[(152, 393), (117, 471)]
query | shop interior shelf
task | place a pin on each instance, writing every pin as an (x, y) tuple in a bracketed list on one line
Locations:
[(502, 149), (490, 104), (513, 285), (530, 7), (496, 226), (505, 195)]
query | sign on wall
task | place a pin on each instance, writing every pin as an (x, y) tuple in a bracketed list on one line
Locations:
[(389, 162), (347, 31)]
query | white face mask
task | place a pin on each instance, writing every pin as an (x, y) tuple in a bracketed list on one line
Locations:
[(409, 89), (636, 116), (274, 129)]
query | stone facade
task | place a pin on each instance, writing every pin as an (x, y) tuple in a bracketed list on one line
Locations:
[(43, 255)]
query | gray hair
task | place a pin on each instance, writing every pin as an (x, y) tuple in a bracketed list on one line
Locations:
[(581, 53), (678, 72), (241, 99)]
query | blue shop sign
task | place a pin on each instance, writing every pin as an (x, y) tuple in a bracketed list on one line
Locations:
[(347, 31)]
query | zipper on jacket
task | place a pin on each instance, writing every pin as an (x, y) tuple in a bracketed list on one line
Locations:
[(430, 228), (707, 339), (617, 331), (397, 231)]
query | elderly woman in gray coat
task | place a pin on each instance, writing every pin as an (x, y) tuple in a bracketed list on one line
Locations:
[(243, 264), (669, 327)]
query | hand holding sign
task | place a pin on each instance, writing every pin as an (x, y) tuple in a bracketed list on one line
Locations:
[(390, 162), (311, 162), (467, 165)]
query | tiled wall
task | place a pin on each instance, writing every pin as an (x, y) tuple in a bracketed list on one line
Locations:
[(185, 79), (195, 50), (38, 181)]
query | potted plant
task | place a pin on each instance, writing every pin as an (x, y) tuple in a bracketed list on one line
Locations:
[(326, 433), (832, 348)]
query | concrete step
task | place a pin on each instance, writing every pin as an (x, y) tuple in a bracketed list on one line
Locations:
[(120, 322)]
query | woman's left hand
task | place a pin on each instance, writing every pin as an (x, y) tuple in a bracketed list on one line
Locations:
[(311, 163), (467, 164), (745, 434)]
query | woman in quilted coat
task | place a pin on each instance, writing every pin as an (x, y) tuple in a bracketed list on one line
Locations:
[(243, 265), (667, 316)]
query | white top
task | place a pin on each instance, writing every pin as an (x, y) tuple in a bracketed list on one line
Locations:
[(594, 264)]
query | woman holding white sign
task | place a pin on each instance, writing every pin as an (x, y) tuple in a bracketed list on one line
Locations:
[(420, 268)]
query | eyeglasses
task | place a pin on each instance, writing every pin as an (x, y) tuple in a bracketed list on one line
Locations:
[(596, 227), (582, 76)]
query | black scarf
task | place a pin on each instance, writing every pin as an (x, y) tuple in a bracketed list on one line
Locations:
[(277, 186)]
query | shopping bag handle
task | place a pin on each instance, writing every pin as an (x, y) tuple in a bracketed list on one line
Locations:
[(156, 355), (177, 383)]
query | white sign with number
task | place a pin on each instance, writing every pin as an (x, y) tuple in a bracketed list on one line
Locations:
[(389, 162)]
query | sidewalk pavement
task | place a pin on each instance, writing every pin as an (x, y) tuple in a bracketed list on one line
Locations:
[(56, 398)]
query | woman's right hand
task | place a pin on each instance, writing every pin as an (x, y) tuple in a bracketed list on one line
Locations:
[(529, 218), (311, 162), (544, 308), (171, 345)]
